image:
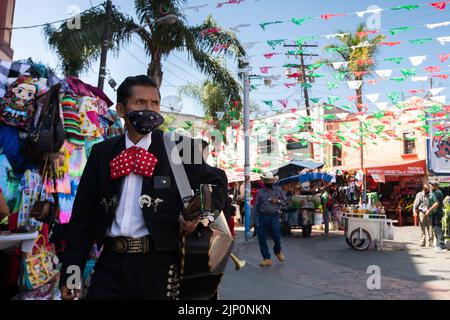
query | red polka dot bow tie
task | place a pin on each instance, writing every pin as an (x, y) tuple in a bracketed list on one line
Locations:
[(135, 159)]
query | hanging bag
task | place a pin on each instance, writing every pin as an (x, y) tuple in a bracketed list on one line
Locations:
[(44, 210), (48, 135), (38, 266)]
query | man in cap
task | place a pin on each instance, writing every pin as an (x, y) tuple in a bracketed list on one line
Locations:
[(436, 211), (267, 210), (421, 205)]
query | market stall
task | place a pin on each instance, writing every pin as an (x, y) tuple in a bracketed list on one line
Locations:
[(48, 126), (304, 207)]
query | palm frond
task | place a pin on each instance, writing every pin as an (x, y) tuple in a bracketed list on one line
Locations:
[(78, 48), (208, 41)]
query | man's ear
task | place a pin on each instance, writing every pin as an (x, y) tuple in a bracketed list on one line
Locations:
[(120, 110)]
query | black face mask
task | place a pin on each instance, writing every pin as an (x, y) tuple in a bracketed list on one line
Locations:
[(269, 185), (145, 121)]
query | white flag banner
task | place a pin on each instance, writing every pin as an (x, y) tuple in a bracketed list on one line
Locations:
[(436, 91), (385, 73), (362, 117), (443, 40), (417, 60), (220, 114), (382, 105), (362, 45), (437, 25), (336, 35), (440, 99), (415, 79), (373, 97), (342, 115), (239, 26), (355, 84), (338, 65), (362, 13), (249, 45), (196, 8)]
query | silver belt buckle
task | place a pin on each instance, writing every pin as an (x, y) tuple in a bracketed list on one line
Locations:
[(135, 245)]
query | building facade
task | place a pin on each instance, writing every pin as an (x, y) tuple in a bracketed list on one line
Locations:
[(6, 21)]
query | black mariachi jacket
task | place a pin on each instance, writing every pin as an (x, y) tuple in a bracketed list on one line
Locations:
[(98, 196)]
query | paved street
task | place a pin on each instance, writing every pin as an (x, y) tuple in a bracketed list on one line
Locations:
[(325, 267)]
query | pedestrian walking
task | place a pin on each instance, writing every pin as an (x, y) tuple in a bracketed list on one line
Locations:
[(421, 205), (267, 208), (436, 211)]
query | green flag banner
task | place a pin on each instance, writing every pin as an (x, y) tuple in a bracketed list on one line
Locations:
[(393, 96), (398, 79), (395, 60), (394, 31), (300, 41), (420, 41), (265, 24), (407, 7), (332, 99), (294, 52), (409, 72), (269, 103), (300, 21), (332, 85), (275, 43)]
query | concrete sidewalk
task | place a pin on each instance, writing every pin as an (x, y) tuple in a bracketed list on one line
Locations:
[(325, 267)]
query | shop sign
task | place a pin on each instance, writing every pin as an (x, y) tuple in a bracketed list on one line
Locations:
[(439, 149)]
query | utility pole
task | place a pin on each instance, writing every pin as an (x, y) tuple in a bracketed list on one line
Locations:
[(305, 88), (105, 44)]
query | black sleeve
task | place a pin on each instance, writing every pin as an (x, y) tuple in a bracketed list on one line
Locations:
[(227, 208), (81, 228), (199, 172)]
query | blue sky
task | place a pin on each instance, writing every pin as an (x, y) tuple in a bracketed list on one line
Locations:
[(178, 71)]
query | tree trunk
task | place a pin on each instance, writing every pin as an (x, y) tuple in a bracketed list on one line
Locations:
[(359, 95), (154, 70)]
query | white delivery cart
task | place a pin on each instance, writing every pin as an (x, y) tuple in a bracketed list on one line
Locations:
[(365, 230)]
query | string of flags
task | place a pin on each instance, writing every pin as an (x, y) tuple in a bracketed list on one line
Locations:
[(439, 5), (281, 42)]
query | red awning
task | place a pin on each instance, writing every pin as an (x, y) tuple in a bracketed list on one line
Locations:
[(409, 168), (405, 168)]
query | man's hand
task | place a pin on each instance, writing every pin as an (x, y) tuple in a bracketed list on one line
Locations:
[(427, 214), (187, 226), (415, 214), (67, 294)]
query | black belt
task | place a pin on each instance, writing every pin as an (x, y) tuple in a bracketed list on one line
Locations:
[(130, 245)]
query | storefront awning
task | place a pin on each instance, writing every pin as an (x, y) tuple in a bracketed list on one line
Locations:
[(404, 168)]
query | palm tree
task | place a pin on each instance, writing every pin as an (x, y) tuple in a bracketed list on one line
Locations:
[(214, 98), (360, 59), (79, 48)]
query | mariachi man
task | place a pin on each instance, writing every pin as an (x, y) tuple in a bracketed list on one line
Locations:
[(128, 201)]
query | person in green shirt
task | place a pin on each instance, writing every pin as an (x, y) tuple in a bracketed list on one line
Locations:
[(436, 211)]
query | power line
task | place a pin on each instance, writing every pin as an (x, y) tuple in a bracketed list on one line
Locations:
[(144, 64), (181, 60), (44, 24), (190, 74), (166, 69)]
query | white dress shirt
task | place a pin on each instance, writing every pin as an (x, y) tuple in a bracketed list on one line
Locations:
[(129, 221)]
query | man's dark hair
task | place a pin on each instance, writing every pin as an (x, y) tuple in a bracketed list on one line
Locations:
[(124, 90)]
